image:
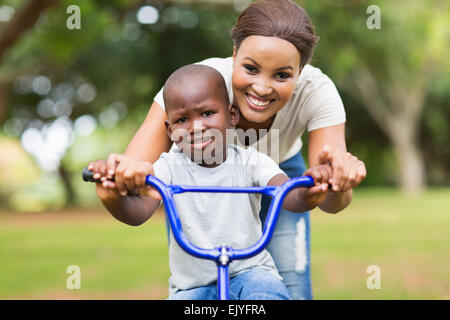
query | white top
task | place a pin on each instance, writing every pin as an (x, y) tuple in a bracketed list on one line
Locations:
[(314, 104), (210, 220)]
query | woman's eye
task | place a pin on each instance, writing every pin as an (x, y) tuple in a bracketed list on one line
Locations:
[(250, 68), (282, 75), (181, 120), (207, 113)]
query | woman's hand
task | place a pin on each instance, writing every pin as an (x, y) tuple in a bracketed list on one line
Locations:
[(347, 170)]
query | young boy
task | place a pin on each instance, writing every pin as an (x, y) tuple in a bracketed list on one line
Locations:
[(199, 115)]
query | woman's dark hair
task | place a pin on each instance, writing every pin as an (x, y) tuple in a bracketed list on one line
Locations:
[(283, 19)]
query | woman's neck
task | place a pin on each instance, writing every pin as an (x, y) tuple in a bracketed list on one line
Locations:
[(260, 128), (246, 124)]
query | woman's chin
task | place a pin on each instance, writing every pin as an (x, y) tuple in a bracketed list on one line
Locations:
[(256, 116)]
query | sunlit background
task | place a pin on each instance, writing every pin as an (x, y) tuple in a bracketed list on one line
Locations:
[(69, 96)]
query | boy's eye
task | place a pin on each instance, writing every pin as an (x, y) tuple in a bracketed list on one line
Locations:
[(250, 68), (207, 113), (181, 120)]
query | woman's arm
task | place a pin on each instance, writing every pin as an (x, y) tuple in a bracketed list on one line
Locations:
[(151, 139), (348, 171)]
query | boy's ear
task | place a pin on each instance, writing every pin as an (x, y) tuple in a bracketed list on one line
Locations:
[(234, 114), (168, 129)]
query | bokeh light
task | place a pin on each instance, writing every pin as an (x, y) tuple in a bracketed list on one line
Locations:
[(85, 125), (6, 13), (87, 92), (41, 85), (147, 15)]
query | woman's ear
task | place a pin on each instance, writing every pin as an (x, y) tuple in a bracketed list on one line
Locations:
[(234, 52), (234, 115)]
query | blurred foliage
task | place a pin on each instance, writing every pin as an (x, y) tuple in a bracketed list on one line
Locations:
[(112, 68), (412, 46)]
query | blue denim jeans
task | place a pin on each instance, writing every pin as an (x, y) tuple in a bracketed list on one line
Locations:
[(254, 284), (290, 243)]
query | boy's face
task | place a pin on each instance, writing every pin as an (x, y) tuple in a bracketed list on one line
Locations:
[(198, 119)]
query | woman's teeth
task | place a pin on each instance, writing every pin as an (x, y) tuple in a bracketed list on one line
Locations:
[(257, 102)]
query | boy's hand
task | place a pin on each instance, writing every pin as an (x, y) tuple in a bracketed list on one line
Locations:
[(106, 190), (317, 194), (131, 174), (129, 177)]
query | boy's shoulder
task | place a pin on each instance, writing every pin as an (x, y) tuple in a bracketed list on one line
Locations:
[(243, 155), (251, 154), (255, 163), (173, 157), (259, 167)]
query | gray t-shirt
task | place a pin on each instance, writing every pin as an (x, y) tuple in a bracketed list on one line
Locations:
[(213, 219)]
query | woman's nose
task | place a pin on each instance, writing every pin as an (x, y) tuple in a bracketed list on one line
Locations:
[(262, 88)]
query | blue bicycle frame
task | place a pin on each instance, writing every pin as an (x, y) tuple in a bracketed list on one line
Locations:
[(223, 255)]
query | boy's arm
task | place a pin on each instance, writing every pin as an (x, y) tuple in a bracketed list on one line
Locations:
[(138, 202), (267, 172), (306, 199), (133, 210), (294, 199)]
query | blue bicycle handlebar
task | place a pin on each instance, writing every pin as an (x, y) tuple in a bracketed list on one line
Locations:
[(277, 192), (222, 255)]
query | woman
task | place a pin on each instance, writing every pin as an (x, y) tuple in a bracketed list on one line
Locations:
[(280, 96)]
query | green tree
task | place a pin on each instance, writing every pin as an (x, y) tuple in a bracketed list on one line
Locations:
[(110, 68), (391, 70)]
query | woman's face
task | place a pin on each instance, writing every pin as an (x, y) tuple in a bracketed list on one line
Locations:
[(265, 73)]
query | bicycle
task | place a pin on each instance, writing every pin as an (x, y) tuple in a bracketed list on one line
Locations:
[(222, 255)]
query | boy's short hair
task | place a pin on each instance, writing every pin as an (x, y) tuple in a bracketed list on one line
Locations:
[(187, 74)]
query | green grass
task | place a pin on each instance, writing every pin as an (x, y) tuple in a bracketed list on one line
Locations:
[(407, 237), (116, 260)]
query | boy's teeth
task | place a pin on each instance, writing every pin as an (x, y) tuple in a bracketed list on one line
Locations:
[(259, 102), (200, 140)]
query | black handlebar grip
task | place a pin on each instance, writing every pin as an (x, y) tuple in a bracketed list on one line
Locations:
[(88, 176)]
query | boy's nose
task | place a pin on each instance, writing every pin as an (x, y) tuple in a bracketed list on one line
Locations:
[(197, 126)]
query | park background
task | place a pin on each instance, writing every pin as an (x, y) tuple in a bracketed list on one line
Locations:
[(68, 96)]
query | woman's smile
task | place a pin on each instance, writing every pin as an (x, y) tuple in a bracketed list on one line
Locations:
[(257, 103)]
